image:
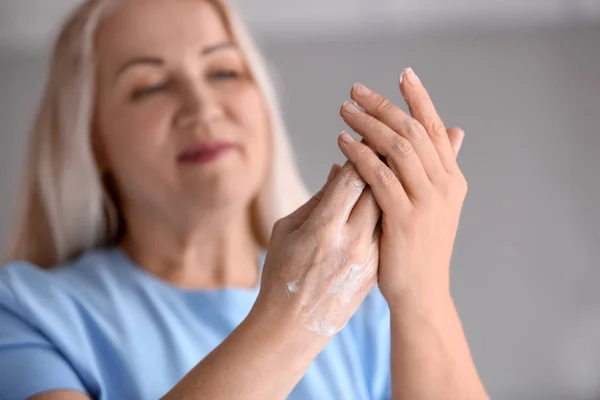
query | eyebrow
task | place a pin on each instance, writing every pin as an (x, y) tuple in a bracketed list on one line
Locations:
[(157, 61), (220, 46)]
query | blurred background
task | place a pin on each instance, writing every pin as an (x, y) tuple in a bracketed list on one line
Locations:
[(521, 77)]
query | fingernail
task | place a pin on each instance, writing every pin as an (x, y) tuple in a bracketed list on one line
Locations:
[(410, 76), (346, 138), (358, 106), (361, 89), (350, 108), (459, 143)]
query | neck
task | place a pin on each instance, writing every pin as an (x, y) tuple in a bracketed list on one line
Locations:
[(217, 249)]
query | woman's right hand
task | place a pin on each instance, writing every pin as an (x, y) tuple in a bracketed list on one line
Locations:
[(323, 258)]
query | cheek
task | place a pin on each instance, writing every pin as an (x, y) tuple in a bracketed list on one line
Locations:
[(136, 141), (135, 131), (252, 115)]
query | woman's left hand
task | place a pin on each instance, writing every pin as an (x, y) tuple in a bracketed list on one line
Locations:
[(419, 187)]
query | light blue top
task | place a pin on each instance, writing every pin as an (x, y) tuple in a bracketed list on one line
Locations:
[(105, 327)]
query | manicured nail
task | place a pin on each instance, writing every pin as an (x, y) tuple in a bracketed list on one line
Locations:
[(358, 106), (346, 138), (410, 76), (350, 108), (459, 143), (361, 89)]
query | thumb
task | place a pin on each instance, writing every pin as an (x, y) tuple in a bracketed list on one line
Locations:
[(295, 219), (456, 136)]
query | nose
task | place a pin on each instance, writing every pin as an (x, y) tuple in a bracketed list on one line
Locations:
[(199, 105)]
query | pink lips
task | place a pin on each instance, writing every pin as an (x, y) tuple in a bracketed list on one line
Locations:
[(205, 151)]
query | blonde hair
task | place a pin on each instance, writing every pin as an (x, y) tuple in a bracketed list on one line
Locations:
[(66, 208)]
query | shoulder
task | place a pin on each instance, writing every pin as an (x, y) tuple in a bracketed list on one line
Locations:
[(64, 294), (30, 283), (44, 317)]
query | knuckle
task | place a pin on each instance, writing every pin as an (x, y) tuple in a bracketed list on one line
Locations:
[(423, 98), (414, 130), (462, 186), (318, 196), (354, 179), (279, 225), (370, 198), (444, 188), (356, 185), (370, 161), (401, 146), (323, 232), (438, 128), (426, 195), (355, 251), (461, 179), (382, 105), (367, 155), (455, 186), (370, 121), (385, 175)]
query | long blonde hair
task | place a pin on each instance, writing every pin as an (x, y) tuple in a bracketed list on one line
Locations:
[(66, 208)]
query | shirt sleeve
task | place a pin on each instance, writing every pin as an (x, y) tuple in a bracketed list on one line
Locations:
[(29, 363)]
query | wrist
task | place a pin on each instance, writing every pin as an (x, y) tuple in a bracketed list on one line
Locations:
[(422, 291), (420, 305), (282, 327)]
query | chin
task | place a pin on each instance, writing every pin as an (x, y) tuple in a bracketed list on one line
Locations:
[(224, 190), (227, 181)]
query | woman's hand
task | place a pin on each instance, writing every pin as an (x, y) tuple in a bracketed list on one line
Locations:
[(419, 187), (322, 259)]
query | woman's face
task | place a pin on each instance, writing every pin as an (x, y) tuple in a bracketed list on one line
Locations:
[(180, 123)]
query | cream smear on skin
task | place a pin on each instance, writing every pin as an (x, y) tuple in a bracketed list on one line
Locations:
[(323, 313), (325, 297)]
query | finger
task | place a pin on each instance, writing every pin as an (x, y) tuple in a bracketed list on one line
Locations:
[(422, 109), (295, 219), (386, 187), (456, 136), (339, 197), (365, 215), (403, 124), (398, 151)]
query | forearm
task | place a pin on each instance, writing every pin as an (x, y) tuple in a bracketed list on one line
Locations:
[(430, 355), (264, 358)]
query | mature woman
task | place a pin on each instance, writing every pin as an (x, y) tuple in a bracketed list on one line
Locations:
[(153, 255)]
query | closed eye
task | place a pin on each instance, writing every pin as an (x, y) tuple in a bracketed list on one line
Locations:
[(140, 93), (223, 75)]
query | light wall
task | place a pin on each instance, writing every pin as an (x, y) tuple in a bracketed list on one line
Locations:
[(525, 271)]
